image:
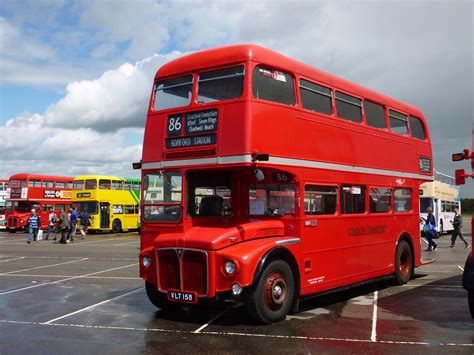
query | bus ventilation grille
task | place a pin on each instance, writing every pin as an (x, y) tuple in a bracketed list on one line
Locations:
[(183, 269)]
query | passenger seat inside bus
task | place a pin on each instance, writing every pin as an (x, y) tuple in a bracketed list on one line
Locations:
[(211, 206)]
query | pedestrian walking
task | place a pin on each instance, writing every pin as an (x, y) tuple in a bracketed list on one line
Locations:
[(457, 229), (85, 222), (73, 219), (34, 223), (429, 230), (63, 226), (52, 219)]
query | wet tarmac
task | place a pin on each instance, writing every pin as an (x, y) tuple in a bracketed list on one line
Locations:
[(86, 297)]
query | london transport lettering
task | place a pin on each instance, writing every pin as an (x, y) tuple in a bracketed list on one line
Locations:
[(353, 231)]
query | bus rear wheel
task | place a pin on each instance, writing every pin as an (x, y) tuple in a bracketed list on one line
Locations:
[(403, 263), (116, 226), (271, 298)]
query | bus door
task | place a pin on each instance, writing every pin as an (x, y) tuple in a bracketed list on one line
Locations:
[(105, 215), (321, 236)]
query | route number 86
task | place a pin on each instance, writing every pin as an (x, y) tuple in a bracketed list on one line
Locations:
[(174, 125)]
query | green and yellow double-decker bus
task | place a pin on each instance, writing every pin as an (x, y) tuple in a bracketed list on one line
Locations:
[(112, 201)]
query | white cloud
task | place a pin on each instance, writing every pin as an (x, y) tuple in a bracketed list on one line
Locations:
[(29, 145), (118, 99)]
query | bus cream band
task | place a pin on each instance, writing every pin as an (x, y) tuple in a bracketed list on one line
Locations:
[(236, 159)]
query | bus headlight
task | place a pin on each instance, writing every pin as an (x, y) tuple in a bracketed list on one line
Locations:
[(146, 261), (230, 267)]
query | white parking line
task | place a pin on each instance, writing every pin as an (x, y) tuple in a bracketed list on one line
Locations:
[(235, 334), (373, 336), (117, 245), (85, 277), (462, 269), (93, 306), (70, 257), (100, 241), (43, 267), (3, 261), (211, 321), (63, 280)]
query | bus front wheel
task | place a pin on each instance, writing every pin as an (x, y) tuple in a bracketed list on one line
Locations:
[(271, 297), (12, 230), (116, 226), (403, 263), (158, 299)]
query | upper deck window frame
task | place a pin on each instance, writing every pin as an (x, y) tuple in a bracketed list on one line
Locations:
[(348, 102), (413, 132), (392, 114), (385, 114), (192, 90), (198, 81), (277, 70), (315, 90)]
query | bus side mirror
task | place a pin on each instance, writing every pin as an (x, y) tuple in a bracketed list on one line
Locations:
[(460, 176)]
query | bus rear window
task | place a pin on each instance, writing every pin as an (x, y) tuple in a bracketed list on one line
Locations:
[(221, 84), (174, 92), (273, 85)]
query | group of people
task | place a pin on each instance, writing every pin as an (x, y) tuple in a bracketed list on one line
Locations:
[(66, 225), (429, 230)]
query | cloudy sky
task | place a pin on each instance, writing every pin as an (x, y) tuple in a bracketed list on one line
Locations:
[(76, 76)]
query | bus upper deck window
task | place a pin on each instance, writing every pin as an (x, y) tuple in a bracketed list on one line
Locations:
[(91, 184), (315, 97), (221, 84), (273, 85), (174, 92), (398, 122), (78, 185), (374, 115), (349, 107), (417, 130)]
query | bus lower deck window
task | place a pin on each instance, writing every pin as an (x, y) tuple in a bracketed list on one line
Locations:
[(402, 200), (320, 200), (352, 199)]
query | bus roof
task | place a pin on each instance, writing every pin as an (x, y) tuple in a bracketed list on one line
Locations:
[(248, 52), (26, 176), (108, 177)]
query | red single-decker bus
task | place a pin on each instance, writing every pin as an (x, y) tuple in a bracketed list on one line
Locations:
[(267, 180)]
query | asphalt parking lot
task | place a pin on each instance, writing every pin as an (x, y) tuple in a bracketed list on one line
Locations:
[(86, 297)]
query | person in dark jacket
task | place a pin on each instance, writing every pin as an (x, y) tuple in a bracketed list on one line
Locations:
[(430, 229), (457, 229), (64, 225), (85, 222)]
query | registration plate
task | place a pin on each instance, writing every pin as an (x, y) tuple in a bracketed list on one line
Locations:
[(182, 296)]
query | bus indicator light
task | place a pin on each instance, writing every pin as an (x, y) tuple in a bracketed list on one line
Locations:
[(460, 176)]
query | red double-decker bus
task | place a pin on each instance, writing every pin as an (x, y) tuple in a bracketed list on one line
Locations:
[(268, 180), (44, 193)]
